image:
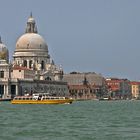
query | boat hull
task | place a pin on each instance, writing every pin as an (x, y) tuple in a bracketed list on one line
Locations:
[(66, 101), (5, 99)]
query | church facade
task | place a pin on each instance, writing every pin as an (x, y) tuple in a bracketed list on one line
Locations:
[(32, 69)]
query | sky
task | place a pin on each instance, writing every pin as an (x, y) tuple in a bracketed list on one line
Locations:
[(101, 36)]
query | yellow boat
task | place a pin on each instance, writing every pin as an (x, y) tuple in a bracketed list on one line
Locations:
[(41, 99)]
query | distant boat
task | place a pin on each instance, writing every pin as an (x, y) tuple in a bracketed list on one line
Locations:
[(104, 99), (41, 98)]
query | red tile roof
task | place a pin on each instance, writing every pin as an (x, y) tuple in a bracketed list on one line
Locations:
[(135, 83)]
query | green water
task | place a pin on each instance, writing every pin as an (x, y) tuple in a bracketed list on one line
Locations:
[(85, 120)]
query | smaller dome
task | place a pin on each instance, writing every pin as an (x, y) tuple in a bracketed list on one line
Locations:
[(2, 47), (4, 54)]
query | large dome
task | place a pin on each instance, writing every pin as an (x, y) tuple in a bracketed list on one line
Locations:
[(31, 41), (31, 46)]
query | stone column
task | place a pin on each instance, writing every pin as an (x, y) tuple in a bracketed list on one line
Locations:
[(7, 90), (16, 89), (27, 63), (4, 94)]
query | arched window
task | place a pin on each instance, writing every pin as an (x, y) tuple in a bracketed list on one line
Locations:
[(25, 63), (48, 78), (42, 64), (30, 64)]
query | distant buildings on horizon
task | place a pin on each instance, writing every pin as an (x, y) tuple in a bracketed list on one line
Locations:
[(91, 85)]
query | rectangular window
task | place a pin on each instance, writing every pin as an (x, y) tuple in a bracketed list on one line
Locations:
[(1, 74)]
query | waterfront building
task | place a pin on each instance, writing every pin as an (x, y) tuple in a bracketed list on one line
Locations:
[(119, 88), (32, 69), (85, 85), (84, 91), (135, 89), (113, 86), (125, 89)]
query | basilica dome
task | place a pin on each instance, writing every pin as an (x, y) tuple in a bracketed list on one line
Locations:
[(31, 41), (31, 51)]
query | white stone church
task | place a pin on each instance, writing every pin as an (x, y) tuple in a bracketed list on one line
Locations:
[(32, 69)]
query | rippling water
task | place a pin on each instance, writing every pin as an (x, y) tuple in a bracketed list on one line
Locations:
[(85, 120)]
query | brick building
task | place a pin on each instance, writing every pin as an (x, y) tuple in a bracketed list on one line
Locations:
[(119, 88)]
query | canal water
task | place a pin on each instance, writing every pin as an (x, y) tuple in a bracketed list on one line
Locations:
[(82, 120)]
